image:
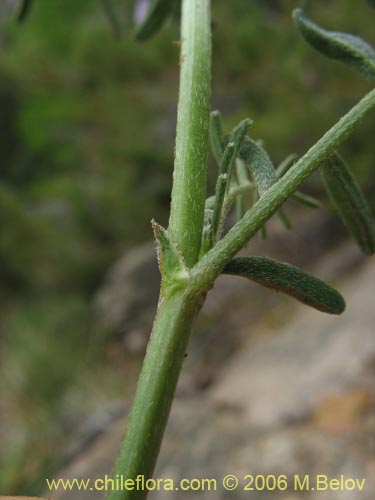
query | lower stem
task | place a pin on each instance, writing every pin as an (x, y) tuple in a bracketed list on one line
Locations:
[(156, 386)]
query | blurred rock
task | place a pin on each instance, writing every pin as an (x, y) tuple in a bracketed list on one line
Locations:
[(315, 356), (8, 8), (272, 410), (126, 302)]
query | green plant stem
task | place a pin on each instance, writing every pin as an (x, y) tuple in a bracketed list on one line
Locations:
[(190, 168), (209, 267), (235, 191), (156, 386), (178, 305)]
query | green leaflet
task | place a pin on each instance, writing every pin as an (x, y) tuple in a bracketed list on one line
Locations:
[(344, 47), (284, 219), (206, 243), (171, 264), (262, 170), (157, 14), (237, 137), (112, 17), (349, 201), (240, 207), (239, 133), (259, 164), (290, 280), (217, 136), (241, 172), (286, 164), (242, 179), (221, 187), (263, 232), (225, 167), (305, 199), (219, 140), (227, 159)]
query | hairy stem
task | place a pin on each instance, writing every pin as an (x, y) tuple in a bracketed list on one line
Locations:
[(178, 306), (208, 268), (156, 386), (190, 168)]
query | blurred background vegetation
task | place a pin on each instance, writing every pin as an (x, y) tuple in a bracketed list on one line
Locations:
[(87, 133)]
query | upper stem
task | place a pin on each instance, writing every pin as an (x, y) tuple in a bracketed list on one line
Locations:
[(190, 167)]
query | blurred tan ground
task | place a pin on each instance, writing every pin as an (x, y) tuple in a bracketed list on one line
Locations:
[(294, 400)]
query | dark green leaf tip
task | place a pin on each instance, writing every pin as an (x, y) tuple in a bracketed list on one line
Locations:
[(156, 15), (290, 280), (217, 136), (307, 200), (286, 164), (24, 10), (237, 138), (228, 158), (344, 47), (349, 201)]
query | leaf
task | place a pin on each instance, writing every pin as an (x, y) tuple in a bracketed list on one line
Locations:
[(171, 263), (262, 171), (290, 280), (24, 10), (286, 164), (225, 166), (259, 164), (239, 132), (217, 136), (349, 201), (241, 172), (221, 187), (237, 137), (372, 3), (112, 17), (240, 207), (344, 47), (157, 13), (284, 219), (227, 158), (206, 243), (307, 200)]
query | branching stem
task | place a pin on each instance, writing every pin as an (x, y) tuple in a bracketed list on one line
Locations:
[(181, 299), (209, 267)]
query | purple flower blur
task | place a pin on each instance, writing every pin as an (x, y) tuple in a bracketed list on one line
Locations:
[(140, 10)]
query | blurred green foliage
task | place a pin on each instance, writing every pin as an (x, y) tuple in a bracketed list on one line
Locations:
[(87, 133)]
